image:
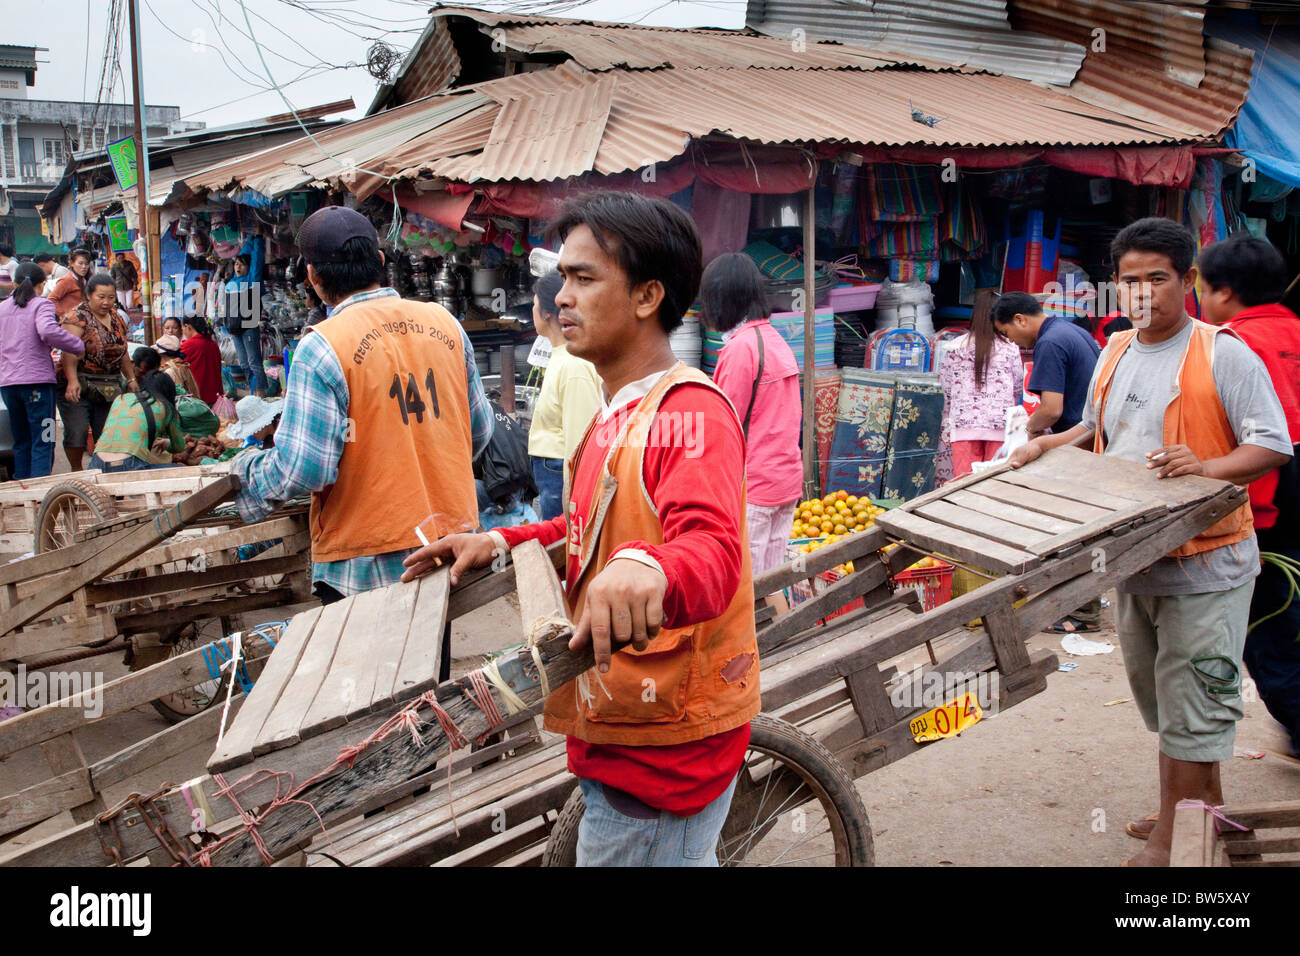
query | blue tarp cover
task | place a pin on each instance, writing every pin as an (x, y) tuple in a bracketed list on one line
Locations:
[(1266, 131)]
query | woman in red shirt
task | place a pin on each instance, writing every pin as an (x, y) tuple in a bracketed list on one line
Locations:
[(204, 357)]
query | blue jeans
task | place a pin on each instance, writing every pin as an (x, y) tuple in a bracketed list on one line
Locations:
[(130, 463), (248, 350), (31, 420), (607, 837), (548, 476)]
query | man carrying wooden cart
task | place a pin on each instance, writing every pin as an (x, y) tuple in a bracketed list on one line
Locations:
[(382, 418), (1180, 396), (657, 551)]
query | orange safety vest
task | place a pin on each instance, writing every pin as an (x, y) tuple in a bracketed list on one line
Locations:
[(690, 682), (409, 449), (1194, 417)]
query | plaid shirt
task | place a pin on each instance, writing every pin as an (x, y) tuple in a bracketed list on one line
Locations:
[(309, 443)]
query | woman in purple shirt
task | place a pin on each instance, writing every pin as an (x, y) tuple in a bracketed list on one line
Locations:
[(28, 330), (757, 371)]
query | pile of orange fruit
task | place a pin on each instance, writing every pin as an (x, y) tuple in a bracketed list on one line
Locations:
[(837, 514)]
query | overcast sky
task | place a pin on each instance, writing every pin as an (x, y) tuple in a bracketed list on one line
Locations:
[(198, 55)]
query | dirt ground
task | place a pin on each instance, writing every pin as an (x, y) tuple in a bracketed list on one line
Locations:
[(1050, 782)]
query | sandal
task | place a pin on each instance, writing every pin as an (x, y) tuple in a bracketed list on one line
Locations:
[(1072, 625), (1141, 829)]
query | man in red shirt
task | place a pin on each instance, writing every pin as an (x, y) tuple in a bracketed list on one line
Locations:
[(1246, 279), (203, 354), (657, 549)]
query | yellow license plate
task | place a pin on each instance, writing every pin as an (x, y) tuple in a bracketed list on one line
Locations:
[(947, 721)]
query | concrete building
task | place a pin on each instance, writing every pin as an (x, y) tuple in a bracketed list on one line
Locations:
[(38, 138)]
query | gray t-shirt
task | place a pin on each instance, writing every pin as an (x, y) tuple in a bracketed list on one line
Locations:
[(1134, 426)]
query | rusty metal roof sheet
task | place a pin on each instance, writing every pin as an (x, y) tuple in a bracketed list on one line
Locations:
[(1121, 30), (1145, 91)]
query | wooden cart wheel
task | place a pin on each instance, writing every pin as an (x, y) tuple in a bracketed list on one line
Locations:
[(182, 704), (794, 805), (67, 508)]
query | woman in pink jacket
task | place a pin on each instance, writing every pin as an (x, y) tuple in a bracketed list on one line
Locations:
[(28, 330), (757, 371)]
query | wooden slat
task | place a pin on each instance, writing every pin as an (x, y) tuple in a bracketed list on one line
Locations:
[(389, 639), (1093, 529), (849, 548), (961, 545), (1026, 497), (1114, 477), (43, 800), (242, 733), (186, 580), (422, 655), (63, 755), (167, 743), (45, 639), (984, 525), (347, 689), (1193, 838), (972, 499), (119, 548), (191, 545), (806, 614), (282, 724), (130, 690)]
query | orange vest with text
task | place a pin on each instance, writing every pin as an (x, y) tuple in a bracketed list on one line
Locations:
[(1194, 417), (409, 450), (690, 682)]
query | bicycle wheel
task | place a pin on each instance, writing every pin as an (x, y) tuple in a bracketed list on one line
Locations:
[(67, 508), (179, 705), (794, 805)]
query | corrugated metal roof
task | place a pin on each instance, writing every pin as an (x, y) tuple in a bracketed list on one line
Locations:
[(972, 34), (1168, 33), (602, 48), (1147, 92), (281, 169)]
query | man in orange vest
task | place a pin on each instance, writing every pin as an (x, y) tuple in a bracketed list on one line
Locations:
[(383, 414), (1186, 399), (654, 518), (1245, 280)]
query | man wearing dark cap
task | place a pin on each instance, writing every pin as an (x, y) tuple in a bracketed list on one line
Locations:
[(383, 416)]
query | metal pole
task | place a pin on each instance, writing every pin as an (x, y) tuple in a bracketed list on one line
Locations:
[(809, 348), (142, 173)]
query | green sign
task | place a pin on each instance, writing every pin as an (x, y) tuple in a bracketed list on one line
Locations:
[(119, 237), (121, 155)]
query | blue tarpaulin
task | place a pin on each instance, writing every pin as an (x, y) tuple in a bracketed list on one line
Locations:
[(1266, 130)]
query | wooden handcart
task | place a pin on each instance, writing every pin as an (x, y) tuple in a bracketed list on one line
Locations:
[(162, 584), (343, 752)]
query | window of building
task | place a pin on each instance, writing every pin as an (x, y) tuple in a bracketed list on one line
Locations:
[(54, 151)]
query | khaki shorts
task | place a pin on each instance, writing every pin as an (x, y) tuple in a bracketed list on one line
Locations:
[(1183, 657)]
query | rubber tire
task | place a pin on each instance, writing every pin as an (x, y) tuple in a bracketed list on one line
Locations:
[(173, 716), (794, 747), (99, 501)]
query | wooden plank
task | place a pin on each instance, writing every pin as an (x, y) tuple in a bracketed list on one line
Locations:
[(191, 545), (63, 754), (134, 588), (242, 733), (870, 700), (961, 545), (119, 549), (849, 548), (984, 525), (43, 800), (807, 613), (292, 590), (32, 641), (966, 481), (348, 687), (1092, 529), (167, 743), (1115, 477), (281, 727), (392, 626), (1040, 501), (130, 690), (1194, 836), (422, 655), (1008, 645), (972, 499)]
